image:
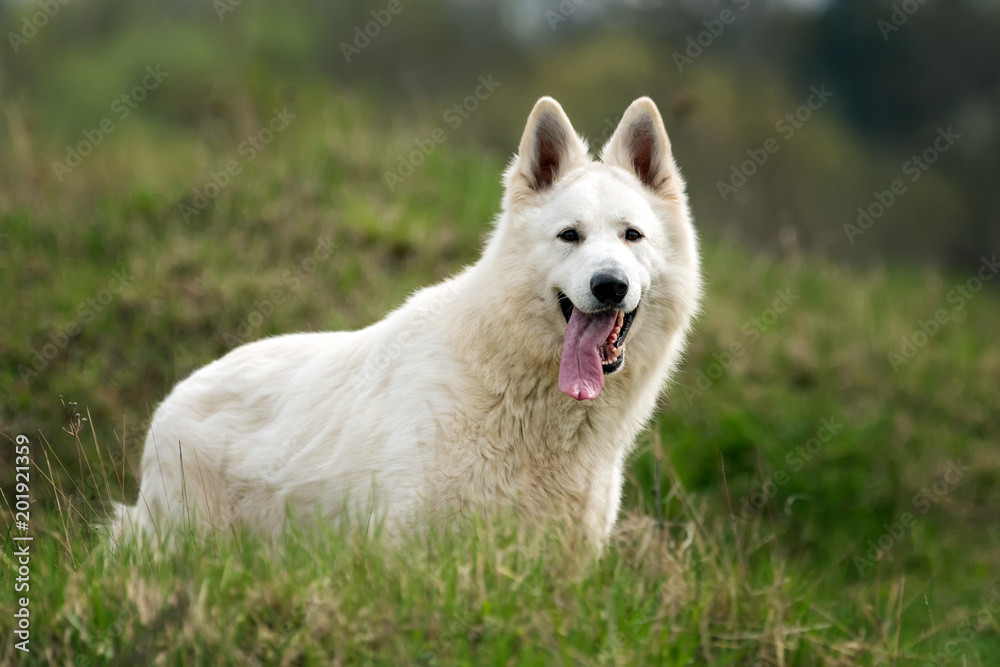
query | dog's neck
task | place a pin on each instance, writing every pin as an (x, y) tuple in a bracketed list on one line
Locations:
[(493, 327)]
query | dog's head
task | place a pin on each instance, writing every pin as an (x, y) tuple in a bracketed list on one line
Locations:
[(613, 254)]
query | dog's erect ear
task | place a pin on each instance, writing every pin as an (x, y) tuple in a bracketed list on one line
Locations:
[(549, 148), (640, 145)]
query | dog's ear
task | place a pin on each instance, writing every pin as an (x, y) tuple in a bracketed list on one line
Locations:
[(550, 147), (641, 146)]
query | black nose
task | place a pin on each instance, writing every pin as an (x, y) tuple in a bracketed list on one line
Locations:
[(609, 288)]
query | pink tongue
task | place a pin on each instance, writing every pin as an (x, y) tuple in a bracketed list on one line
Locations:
[(580, 373)]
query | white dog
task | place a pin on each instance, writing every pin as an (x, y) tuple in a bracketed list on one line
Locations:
[(521, 382)]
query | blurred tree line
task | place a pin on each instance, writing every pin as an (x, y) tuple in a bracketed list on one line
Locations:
[(726, 75)]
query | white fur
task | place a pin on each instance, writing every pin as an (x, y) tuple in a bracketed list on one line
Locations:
[(451, 402)]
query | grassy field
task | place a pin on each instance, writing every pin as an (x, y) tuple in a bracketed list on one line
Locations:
[(820, 486)]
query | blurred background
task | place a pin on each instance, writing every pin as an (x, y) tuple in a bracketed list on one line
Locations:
[(177, 178), (896, 74)]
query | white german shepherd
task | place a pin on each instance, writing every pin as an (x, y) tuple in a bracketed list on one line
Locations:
[(522, 382)]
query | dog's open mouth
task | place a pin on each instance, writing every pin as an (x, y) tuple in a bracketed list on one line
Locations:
[(594, 345)]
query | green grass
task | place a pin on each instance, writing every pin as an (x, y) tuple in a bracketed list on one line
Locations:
[(756, 559)]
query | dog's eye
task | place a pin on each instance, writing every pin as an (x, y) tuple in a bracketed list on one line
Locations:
[(633, 235), (570, 236)]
